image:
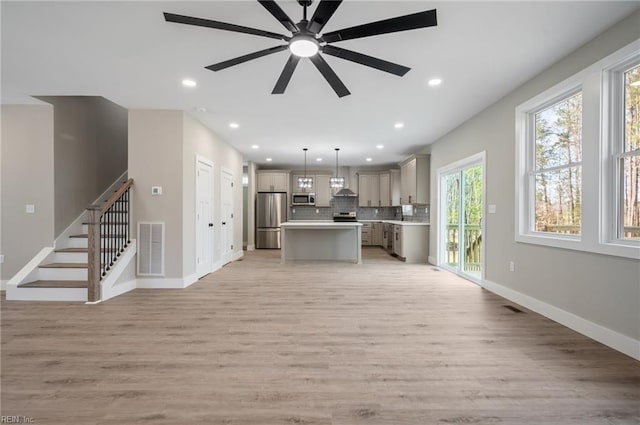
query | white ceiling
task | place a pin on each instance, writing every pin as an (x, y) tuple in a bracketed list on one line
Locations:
[(127, 53)]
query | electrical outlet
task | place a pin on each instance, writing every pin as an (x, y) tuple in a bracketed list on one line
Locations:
[(492, 209), (512, 266), (30, 209), (156, 190), (1, 258)]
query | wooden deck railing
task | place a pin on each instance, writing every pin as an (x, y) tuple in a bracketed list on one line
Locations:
[(472, 246), (109, 235)]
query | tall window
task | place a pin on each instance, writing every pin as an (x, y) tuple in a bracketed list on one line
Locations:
[(629, 158), (578, 160), (558, 170)]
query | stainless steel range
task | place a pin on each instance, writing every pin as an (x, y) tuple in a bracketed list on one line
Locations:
[(345, 216)]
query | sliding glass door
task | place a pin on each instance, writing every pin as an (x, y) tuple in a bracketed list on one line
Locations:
[(462, 206)]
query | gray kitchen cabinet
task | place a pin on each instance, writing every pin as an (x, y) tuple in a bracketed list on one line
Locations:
[(385, 189), (272, 180), (368, 190), (414, 180)]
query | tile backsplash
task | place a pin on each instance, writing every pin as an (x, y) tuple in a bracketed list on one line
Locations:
[(347, 204)]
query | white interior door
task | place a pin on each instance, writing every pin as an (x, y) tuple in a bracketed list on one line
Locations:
[(226, 216), (204, 216)]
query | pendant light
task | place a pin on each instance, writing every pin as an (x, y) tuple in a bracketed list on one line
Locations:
[(336, 182), (305, 182)]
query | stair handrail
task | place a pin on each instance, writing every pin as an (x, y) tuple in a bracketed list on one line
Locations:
[(105, 247)]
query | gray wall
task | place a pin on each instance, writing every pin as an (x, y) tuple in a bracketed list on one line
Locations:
[(199, 140), (162, 149), (602, 289), (26, 168), (90, 152), (155, 152)]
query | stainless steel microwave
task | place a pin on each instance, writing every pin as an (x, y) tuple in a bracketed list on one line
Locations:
[(303, 199)]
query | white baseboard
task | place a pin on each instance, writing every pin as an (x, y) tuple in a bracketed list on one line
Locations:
[(3, 285), (161, 283), (251, 247), (432, 260), (119, 289), (237, 255), (606, 336)]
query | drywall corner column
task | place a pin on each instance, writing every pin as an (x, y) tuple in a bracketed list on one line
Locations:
[(27, 178), (251, 206), (155, 152)]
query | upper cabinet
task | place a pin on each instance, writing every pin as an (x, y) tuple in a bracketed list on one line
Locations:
[(323, 191), (368, 190), (272, 181), (414, 180), (385, 189), (395, 187)]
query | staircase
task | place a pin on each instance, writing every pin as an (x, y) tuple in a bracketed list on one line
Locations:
[(65, 273)]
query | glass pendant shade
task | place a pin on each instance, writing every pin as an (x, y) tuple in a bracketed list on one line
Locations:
[(305, 182), (336, 182)]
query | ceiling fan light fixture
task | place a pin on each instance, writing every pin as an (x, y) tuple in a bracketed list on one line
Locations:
[(303, 46)]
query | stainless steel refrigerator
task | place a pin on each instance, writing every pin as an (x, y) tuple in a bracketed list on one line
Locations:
[(271, 211)]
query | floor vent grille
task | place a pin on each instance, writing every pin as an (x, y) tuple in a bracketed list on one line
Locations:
[(512, 308)]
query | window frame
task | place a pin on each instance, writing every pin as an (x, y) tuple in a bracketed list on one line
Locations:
[(612, 150), (599, 182)]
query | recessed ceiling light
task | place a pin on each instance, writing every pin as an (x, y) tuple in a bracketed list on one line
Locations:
[(255, 147), (379, 146), (369, 159), (319, 159), (188, 83), (234, 125), (269, 160), (435, 82), (398, 125)]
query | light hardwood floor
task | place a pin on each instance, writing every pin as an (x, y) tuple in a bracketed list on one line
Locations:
[(312, 343)]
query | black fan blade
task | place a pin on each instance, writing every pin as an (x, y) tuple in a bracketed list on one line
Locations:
[(279, 14), (401, 23), (323, 13), (331, 77), (199, 22), (287, 72), (245, 58), (382, 65)]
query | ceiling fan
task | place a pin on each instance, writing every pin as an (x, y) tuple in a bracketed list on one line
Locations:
[(306, 40)]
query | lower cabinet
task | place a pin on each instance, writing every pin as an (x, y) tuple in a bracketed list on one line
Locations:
[(411, 243)]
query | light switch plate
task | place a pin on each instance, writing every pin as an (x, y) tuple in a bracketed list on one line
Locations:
[(156, 190), (492, 208), (1, 258), (30, 209)]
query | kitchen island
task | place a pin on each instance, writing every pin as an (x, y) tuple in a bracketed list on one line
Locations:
[(321, 240)]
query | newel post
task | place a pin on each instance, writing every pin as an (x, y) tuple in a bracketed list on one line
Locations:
[(94, 270)]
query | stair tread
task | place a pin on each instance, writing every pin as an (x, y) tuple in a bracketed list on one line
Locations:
[(55, 284), (81, 250), (85, 235), (64, 266)]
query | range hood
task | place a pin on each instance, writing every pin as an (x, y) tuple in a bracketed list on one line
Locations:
[(346, 192)]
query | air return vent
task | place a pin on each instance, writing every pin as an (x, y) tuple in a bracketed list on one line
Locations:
[(150, 249)]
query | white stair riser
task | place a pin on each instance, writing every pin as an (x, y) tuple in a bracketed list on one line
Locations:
[(46, 294), (69, 257), (76, 243), (62, 274)]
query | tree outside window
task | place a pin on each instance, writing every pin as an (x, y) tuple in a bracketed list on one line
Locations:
[(557, 168), (630, 157)]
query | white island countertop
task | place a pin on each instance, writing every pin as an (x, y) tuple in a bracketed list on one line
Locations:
[(398, 222), (325, 224)]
